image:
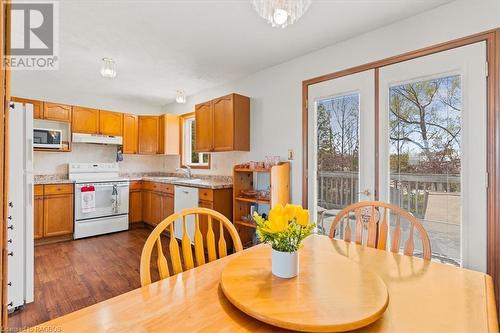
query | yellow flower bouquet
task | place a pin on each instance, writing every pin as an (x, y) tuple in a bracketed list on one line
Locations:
[(284, 230), (285, 227)]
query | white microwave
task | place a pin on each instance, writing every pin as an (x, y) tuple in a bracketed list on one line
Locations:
[(47, 138)]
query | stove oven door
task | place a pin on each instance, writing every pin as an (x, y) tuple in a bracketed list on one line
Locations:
[(111, 199)]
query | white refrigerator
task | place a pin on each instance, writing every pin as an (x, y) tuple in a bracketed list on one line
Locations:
[(20, 237)]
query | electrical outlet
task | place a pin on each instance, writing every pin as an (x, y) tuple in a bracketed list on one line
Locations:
[(290, 154)]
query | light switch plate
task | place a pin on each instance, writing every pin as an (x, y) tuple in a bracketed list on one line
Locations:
[(290, 154)]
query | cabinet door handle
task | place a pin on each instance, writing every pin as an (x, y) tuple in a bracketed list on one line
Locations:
[(11, 227), (11, 204), (10, 253)]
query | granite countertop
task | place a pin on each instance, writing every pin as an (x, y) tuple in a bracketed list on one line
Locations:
[(210, 183), (52, 179), (198, 181)]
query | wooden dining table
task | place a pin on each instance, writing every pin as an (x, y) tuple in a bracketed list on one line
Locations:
[(424, 296)]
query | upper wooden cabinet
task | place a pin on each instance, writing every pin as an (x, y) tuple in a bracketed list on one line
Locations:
[(141, 134), (169, 134), (130, 133), (85, 120), (204, 127), (149, 132), (57, 112), (159, 134), (92, 121), (223, 124), (110, 123), (37, 106)]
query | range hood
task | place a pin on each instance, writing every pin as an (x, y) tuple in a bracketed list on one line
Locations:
[(99, 139)]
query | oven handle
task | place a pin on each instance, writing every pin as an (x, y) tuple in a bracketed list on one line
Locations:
[(79, 186)]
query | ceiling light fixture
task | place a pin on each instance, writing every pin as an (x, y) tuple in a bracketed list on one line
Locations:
[(280, 13), (108, 69), (180, 98)]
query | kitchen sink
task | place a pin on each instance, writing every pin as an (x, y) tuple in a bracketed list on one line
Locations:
[(169, 179)]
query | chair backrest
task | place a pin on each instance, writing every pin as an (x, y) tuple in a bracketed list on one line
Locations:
[(374, 216), (201, 215)]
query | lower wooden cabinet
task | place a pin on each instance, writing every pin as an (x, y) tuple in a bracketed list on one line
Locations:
[(167, 206), (156, 208), (157, 202), (135, 202), (57, 215), (152, 202), (220, 200), (53, 210)]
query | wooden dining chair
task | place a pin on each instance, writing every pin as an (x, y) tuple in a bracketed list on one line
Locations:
[(373, 216), (201, 215)]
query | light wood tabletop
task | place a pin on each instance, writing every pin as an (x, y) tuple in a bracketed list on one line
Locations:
[(330, 294), (424, 297)]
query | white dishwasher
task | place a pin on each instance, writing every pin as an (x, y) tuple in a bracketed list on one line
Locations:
[(185, 197)]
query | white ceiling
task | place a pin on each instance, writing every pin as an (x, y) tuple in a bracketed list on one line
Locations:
[(162, 46)]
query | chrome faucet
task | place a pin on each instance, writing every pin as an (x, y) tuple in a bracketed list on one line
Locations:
[(186, 170)]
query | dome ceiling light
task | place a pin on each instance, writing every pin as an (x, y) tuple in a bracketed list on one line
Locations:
[(108, 69)]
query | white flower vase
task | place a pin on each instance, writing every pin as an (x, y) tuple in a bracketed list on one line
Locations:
[(285, 264)]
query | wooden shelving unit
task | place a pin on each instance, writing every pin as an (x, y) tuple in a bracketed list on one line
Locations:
[(245, 179)]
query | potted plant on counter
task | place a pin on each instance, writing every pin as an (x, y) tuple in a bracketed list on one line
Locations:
[(284, 230)]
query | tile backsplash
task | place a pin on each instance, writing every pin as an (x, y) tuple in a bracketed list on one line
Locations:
[(56, 163)]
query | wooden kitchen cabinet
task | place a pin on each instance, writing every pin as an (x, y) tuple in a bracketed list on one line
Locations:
[(135, 202), (219, 200), (223, 124), (149, 129), (167, 206), (57, 112), (53, 212), (85, 120), (156, 208), (204, 127), (37, 106), (130, 133), (38, 212), (146, 206), (92, 121), (55, 209), (110, 123), (57, 215), (157, 201), (168, 142)]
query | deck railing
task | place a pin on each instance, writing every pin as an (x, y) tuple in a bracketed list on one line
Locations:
[(337, 189)]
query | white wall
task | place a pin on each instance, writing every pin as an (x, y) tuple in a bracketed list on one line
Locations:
[(276, 93)]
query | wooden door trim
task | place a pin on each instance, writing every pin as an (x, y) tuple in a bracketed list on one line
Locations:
[(492, 39)]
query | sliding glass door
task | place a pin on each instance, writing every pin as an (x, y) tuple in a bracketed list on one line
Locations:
[(342, 143), (431, 153), (433, 149)]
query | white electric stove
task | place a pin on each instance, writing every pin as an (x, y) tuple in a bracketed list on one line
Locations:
[(101, 199)]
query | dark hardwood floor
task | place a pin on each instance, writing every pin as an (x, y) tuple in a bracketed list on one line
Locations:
[(75, 274)]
